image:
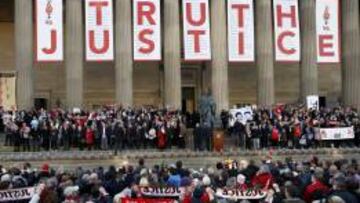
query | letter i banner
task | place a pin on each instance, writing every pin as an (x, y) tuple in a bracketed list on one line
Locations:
[(99, 30), (147, 33), (49, 45), (196, 30), (328, 31)]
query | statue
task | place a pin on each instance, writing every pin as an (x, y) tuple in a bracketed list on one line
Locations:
[(207, 110)]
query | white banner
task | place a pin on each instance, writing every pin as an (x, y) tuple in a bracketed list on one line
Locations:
[(8, 91), (334, 133), (99, 30), (196, 29), (16, 194), (241, 114), (162, 191), (328, 31), (147, 33), (238, 194), (49, 31), (286, 30), (312, 102), (241, 42)]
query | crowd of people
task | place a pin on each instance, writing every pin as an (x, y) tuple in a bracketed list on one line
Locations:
[(112, 128), (293, 126), (288, 181), (104, 129)]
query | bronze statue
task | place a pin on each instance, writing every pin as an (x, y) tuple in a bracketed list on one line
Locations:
[(207, 109)]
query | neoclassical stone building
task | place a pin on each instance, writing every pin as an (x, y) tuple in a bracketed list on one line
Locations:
[(174, 81)]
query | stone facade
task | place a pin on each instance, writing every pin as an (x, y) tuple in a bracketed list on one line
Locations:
[(99, 79)]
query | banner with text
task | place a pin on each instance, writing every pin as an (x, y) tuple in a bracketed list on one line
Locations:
[(145, 200), (99, 30), (335, 133), (237, 194), (286, 30), (241, 42), (8, 91), (14, 195), (49, 31), (196, 21), (147, 33), (328, 31)]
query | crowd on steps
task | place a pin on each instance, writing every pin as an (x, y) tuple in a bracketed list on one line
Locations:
[(117, 128)]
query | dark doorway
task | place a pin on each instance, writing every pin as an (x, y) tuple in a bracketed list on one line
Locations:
[(40, 103), (188, 100), (322, 102)]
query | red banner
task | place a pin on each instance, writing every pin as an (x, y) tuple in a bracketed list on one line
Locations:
[(145, 200)]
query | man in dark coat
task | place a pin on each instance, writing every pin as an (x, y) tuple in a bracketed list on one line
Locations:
[(119, 137)]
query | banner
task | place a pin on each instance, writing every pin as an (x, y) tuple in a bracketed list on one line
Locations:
[(312, 102), (8, 91), (286, 30), (49, 31), (328, 31), (242, 115), (237, 194), (196, 30), (144, 200), (161, 191), (334, 133), (16, 194), (241, 42), (147, 33), (99, 30)]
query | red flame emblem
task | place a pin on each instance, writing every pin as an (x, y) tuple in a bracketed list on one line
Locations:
[(326, 15), (49, 9)]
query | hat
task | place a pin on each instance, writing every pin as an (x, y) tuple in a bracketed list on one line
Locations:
[(6, 178), (206, 180), (45, 168)]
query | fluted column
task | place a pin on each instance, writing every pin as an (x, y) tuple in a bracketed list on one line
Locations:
[(74, 53), (172, 63), (264, 53), (24, 53), (219, 65), (123, 59), (308, 72), (351, 53)]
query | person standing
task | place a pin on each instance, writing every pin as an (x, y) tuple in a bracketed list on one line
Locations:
[(25, 137), (119, 134)]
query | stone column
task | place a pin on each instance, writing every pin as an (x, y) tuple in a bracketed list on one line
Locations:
[(219, 63), (308, 72), (123, 56), (74, 53), (24, 54), (172, 63), (351, 53), (264, 53)]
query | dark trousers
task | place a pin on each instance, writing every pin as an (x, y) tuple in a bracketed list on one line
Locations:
[(26, 144)]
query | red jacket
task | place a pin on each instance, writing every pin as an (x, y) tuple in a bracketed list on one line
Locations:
[(316, 186), (262, 180), (89, 136)]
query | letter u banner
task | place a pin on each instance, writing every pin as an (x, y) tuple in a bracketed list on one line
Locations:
[(147, 40), (196, 29), (328, 31), (49, 31), (99, 30)]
